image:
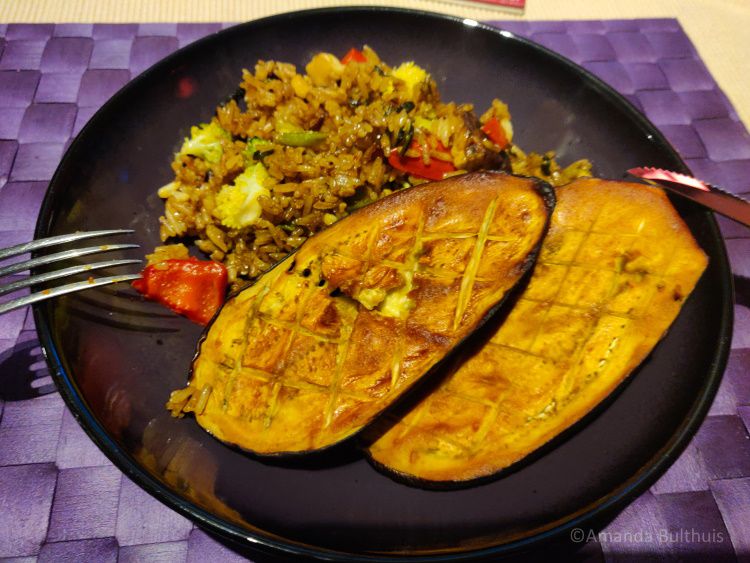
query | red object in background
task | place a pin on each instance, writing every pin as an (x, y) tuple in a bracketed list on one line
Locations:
[(193, 288), (512, 6), (185, 87), (495, 132), (435, 170), (353, 55)]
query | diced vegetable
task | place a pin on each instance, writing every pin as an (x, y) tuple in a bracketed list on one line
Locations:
[(416, 166), (301, 138), (237, 204), (495, 132), (353, 55), (206, 142), (192, 288)]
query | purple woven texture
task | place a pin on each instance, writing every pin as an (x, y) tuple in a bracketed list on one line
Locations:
[(61, 499)]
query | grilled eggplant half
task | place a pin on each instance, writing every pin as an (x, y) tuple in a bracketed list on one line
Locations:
[(612, 275), (335, 333)]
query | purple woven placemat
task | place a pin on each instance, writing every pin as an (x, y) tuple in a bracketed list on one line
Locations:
[(61, 499)]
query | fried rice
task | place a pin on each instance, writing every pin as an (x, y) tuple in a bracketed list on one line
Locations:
[(291, 153)]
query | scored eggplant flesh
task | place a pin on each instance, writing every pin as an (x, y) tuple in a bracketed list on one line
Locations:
[(336, 332), (614, 270)]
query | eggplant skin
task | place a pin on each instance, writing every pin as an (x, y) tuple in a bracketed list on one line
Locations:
[(613, 273), (335, 333)]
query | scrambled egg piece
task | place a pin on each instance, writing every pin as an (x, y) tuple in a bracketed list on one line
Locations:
[(412, 74), (324, 69), (237, 204)]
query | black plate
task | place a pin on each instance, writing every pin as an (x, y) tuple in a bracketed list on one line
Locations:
[(116, 359)]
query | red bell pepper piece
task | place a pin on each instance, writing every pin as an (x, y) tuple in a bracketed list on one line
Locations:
[(354, 55), (495, 132), (193, 288), (435, 170)]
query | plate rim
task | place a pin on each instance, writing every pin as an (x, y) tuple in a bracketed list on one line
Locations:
[(603, 508)]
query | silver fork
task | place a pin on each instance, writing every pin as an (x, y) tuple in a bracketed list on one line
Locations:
[(64, 272)]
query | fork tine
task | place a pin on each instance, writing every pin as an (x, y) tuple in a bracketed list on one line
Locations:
[(62, 290), (65, 272), (60, 239), (64, 255)]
